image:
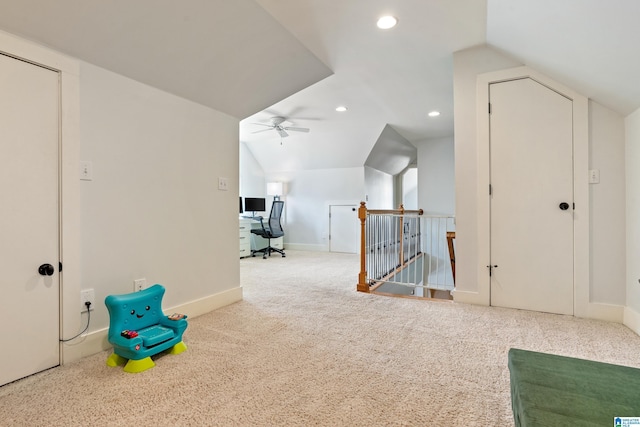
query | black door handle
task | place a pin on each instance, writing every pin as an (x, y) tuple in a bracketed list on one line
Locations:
[(564, 206), (46, 270)]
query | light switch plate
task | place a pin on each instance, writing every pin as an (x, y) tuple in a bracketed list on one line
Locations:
[(223, 184), (594, 176), (86, 170)]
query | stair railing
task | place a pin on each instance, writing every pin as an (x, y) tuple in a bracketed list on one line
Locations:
[(390, 242)]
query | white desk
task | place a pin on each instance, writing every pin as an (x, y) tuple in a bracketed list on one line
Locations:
[(245, 237), (250, 241)]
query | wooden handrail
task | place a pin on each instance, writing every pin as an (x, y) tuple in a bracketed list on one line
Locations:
[(400, 211)]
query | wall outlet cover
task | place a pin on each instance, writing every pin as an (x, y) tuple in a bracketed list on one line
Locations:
[(87, 295), (139, 284)]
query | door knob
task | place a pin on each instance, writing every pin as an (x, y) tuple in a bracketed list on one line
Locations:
[(564, 206), (46, 270)]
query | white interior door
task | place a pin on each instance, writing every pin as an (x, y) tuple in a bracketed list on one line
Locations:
[(531, 178), (343, 228), (29, 229)]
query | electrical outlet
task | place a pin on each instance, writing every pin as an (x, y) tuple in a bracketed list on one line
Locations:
[(88, 295), (139, 284)]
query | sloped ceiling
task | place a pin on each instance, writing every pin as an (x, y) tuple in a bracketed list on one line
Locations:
[(396, 77), (591, 46), (229, 55), (255, 59), (392, 153), (393, 77)]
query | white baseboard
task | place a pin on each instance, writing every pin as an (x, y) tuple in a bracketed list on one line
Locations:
[(96, 341), (306, 247), (208, 304), (86, 345), (467, 297), (606, 312), (632, 320)]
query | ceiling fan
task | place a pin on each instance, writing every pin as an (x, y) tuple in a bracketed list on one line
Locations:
[(276, 124)]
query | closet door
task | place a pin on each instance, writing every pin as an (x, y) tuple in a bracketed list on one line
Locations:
[(344, 234), (29, 225), (531, 155)]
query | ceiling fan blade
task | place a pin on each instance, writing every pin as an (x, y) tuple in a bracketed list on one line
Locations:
[(275, 121), (297, 129), (282, 133), (262, 130)]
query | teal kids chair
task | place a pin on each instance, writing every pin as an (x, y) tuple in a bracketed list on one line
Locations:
[(138, 329)]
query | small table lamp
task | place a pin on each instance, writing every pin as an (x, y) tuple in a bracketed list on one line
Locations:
[(274, 189)]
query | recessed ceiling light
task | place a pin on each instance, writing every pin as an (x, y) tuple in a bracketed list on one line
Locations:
[(341, 108), (434, 114), (387, 22)]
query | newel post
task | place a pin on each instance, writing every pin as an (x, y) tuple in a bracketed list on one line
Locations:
[(363, 286)]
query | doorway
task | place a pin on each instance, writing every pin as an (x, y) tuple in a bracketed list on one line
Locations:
[(531, 197), (410, 188), (343, 228), (29, 184)]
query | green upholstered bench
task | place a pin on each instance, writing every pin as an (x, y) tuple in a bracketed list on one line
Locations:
[(551, 390)]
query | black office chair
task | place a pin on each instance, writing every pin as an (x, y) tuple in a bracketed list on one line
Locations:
[(271, 231)]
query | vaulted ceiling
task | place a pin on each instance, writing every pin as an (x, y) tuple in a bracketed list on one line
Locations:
[(256, 59)]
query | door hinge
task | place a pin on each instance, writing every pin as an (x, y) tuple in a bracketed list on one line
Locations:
[(59, 267), (489, 108), (490, 190), (574, 206)]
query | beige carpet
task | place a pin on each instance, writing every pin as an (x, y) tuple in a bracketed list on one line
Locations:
[(305, 349)]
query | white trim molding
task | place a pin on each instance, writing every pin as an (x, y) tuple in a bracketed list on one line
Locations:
[(583, 307)]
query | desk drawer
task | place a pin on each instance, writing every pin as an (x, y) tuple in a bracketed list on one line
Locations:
[(244, 231), (245, 250)]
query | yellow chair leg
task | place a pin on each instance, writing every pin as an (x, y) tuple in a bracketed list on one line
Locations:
[(115, 360), (178, 348), (135, 366)]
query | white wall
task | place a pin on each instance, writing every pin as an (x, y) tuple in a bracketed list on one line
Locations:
[(252, 181), (378, 189), (153, 209), (467, 64), (436, 176), (307, 199), (606, 289), (632, 153), (409, 184), (607, 213)]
